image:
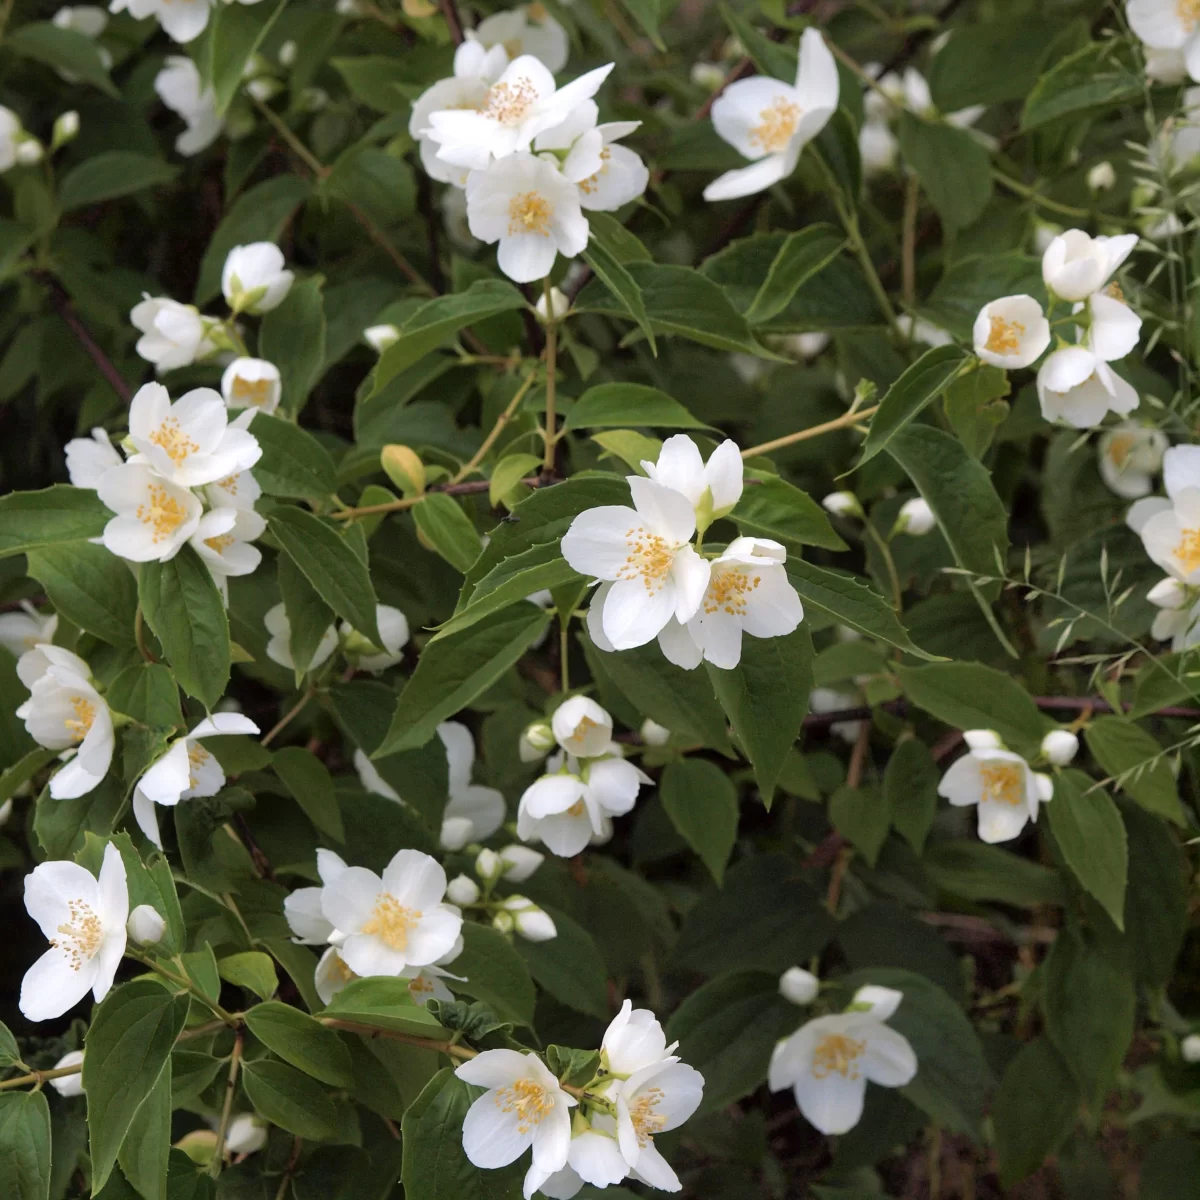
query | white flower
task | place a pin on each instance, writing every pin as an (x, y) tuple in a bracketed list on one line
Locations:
[(246, 1134), (1060, 746), (536, 741), (713, 487), (240, 490), (173, 335), (523, 1107), (528, 920), (380, 337), (1170, 529), (799, 986), (827, 700), (88, 458), (1000, 782), (252, 383), (473, 812), (519, 862), (393, 628), (65, 130), (1130, 455), (182, 20), (186, 770), (65, 711), (842, 504), (1178, 618), (390, 923), (581, 727), (1189, 1048), (1102, 177), (331, 975), (22, 631), (462, 890), (645, 554), (87, 19), (878, 147), (558, 308), (527, 206), (828, 1061), (915, 517), (11, 134), (279, 647), (522, 103), (654, 734), (146, 925), (371, 779), (69, 1086), (1076, 265), (655, 1099), (1165, 66), (254, 279), (608, 175), (1168, 25), (223, 539), (302, 908), (633, 1041), (180, 88), (83, 918), (771, 122), (1011, 332), (526, 29), (1076, 386)]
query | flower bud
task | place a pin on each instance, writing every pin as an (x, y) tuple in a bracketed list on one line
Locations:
[(582, 727), (1189, 1048), (146, 925), (536, 741), (247, 1133), (799, 986), (915, 518), (707, 75), (456, 832), (1060, 746), (404, 468), (983, 739), (30, 151), (1168, 593), (199, 1145), (519, 862), (558, 308), (503, 922), (488, 866), (1101, 177), (842, 504), (654, 734), (530, 922), (462, 889), (5, 812), (380, 337), (66, 129), (263, 88), (287, 53), (69, 1085)]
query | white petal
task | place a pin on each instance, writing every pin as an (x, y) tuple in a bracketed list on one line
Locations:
[(889, 1059), (52, 985), (833, 1104), (746, 181)]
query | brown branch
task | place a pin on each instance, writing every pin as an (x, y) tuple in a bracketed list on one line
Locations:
[(66, 310), (450, 12)]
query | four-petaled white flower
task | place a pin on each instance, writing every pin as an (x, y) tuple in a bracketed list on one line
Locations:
[(771, 122), (1003, 785), (655, 1099), (1130, 455), (173, 334), (1169, 26), (828, 1061), (88, 458), (23, 630), (1075, 265), (186, 770), (64, 712), (254, 279), (581, 727), (397, 921), (526, 29), (279, 645), (252, 383), (607, 174), (83, 917), (713, 487), (181, 89), (154, 516), (1011, 332), (473, 812), (531, 209)]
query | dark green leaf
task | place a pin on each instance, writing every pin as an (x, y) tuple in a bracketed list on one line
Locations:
[(1137, 762), (955, 169), (90, 587), (612, 271), (702, 803), (774, 508), (302, 1041), (293, 464), (147, 692), (1102, 75), (24, 1146), (910, 791), (236, 31), (801, 256), (448, 529), (494, 973), (570, 966), (33, 520), (1035, 1109), (293, 336), (977, 871), (112, 174), (860, 815), (147, 1146), (382, 1003), (620, 405), (252, 969), (311, 786), (289, 1099)]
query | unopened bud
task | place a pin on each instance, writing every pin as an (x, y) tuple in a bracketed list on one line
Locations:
[(842, 504), (404, 468), (530, 922), (1189, 1048), (456, 832), (69, 1085), (287, 54), (558, 307), (488, 866), (247, 1133), (503, 922), (982, 739), (1060, 746), (146, 925), (66, 129), (915, 518), (380, 337), (707, 75), (1101, 177), (799, 986), (462, 889), (537, 741), (30, 151), (654, 734), (519, 862)]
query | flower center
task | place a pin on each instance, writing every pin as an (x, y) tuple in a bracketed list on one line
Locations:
[(776, 124), (649, 558), (529, 213), (339, 971), (1188, 550), (197, 757), (837, 1054), (82, 934), (1003, 783), (576, 809), (1189, 13), (509, 103), (727, 591), (1120, 448), (163, 512), (391, 922), (221, 542), (1005, 336), (1114, 288), (174, 441), (536, 13), (252, 391), (80, 724), (228, 484), (581, 730), (420, 988), (646, 1121), (592, 182), (528, 1099)]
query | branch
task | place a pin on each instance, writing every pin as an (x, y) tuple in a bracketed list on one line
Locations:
[(450, 12), (66, 310)]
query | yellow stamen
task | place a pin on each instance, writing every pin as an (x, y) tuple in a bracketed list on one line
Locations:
[(1188, 550), (228, 484), (837, 1054), (1189, 13), (647, 1122), (340, 972), (592, 182), (420, 988), (221, 542), (391, 922), (581, 730), (85, 713), (174, 441), (650, 558), (777, 123), (529, 213), (1114, 288), (528, 1099), (727, 591), (508, 103), (536, 13), (197, 757), (251, 391), (1004, 336), (1121, 447), (164, 513), (1003, 783), (576, 809), (82, 934)]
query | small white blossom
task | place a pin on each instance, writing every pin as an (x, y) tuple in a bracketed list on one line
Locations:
[(247, 1134), (713, 487), (1060, 746), (827, 700), (254, 279), (654, 734), (1011, 332), (915, 517), (1075, 265), (1189, 1048), (1130, 455), (529, 921), (1178, 618), (173, 334), (1102, 177), (557, 309), (181, 89), (1078, 387), (633, 1041), (799, 986), (252, 383), (581, 727), (607, 174), (365, 655), (473, 812), (655, 1099), (23, 630), (222, 539), (462, 890), (842, 504), (536, 741), (519, 862), (146, 925), (380, 337), (1002, 784), (88, 458), (302, 908), (181, 22)]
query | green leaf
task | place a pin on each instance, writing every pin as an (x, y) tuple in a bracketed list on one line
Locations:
[(1156, 906), (504, 484), (311, 786), (328, 561), (920, 384), (129, 1042), (727, 1030), (910, 791), (112, 174), (64, 50), (448, 529), (774, 508), (309, 617), (60, 825), (765, 698), (702, 803), (612, 271), (955, 169), (293, 335), (979, 872), (90, 587), (435, 1165), (971, 696), (1100, 76), (293, 464), (992, 62), (493, 972), (23, 770), (302, 1041), (33, 520), (619, 405), (435, 323), (252, 970), (975, 406), (382, 1003), (779, 62), (147, 1146), (24, 1146), (570, 966), (235, 33), (290, 1099), (1091, 836), (184, 609), (1034, 1111), (860, 815), (456, 669), (147, 692), (801, 256), (1138, 764), (10, 1054)]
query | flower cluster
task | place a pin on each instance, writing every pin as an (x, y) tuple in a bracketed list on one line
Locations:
[(530, 156), (599, 1133), (1075, 383), (654, 583), (361, 653)]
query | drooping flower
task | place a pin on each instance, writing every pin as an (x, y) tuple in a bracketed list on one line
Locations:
[(247, 1134), (1011, 332), (655, 1099), (254, 279), (1005, 788), (828, 1061), (770, 122), (397, 921), (88, 458), (279, 647), (187, 769), (23, 630), (1130, 455), (83, 917), (252, 383), (1075, 265), (69, 1086), (173, 334), (1168, 25), (473, 812), (181, 89), (1077, 386), (526, 29)]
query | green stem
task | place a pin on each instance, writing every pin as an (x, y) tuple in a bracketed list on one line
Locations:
[(235, 1059), (188, 986), (297, 147), (40, 1077), (893, 576), (551, 371), (289, 716), (502, 420)]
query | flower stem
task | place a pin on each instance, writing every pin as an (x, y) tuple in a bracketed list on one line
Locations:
[(288, 717), (453, 1049), (853, 417), (502, 420), (298, 148), (893, 575), (40, 1077), (235, 1059), (551, 371), (181, 980)]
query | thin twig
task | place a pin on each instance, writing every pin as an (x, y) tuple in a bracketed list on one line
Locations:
[(853, 417), (453, 22), (40, 1077), (469, 487), (502, 420), (288, 717), (551, 370), (290, 1169), (227, 1107), (66, 310)]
